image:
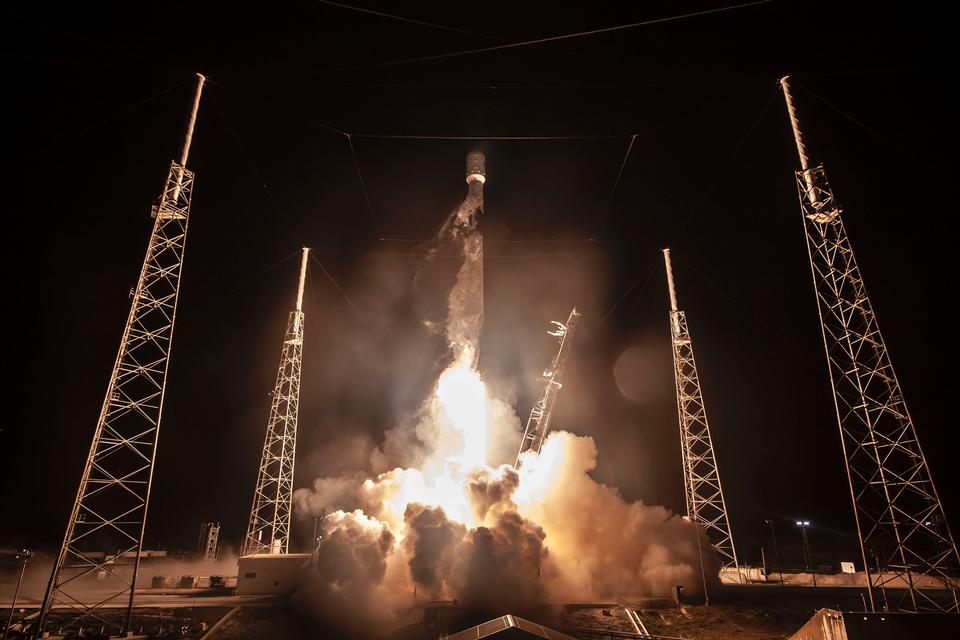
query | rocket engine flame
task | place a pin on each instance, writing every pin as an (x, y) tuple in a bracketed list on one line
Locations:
[(463, 396)]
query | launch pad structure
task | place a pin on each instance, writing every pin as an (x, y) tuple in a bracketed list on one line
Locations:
[(268, 531), (899, 518), (208, 544), (706, 505), (110, 508), (538, 424)]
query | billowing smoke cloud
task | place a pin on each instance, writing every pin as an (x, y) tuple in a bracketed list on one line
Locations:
[(497, 541), (488, 492), (491, 567), (349, 576), (605, 546), (499, 567), (433, 543)]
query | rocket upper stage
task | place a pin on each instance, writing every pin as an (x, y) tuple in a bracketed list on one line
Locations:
[(476, 176), (476, 167)]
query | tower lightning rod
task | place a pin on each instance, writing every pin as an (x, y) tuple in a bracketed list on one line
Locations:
[(188, 137), (192, 120), (795, 123), (303, 275), (798, 139), (672, 289)]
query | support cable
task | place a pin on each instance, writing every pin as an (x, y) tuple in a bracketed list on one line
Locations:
[(488, 242), (623, 297), (726, 165), (250, 280), (123, 112), (421, 23), (626, 156), (342, 292), (401, 136), (356, 161), (243, 152), (282, 109), (639, 295), (746, 136), (455, 256), (389, 136), (771, 331), (363, 183), (868, 129), (726, 295), (97, 42), (568, 36)]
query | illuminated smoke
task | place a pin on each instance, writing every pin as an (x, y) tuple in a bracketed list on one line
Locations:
[(348, 587), (604, 546)]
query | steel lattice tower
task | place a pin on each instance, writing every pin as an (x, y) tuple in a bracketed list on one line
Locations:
[(539, 421), (269, 528), (209, 541), (701, 478), (905, 541), (101, 547)]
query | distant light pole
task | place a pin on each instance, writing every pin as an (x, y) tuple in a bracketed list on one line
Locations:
[(807, 558), (776, 550), (13, 605)]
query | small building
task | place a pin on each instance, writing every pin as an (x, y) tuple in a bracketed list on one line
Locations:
[(269, 574)]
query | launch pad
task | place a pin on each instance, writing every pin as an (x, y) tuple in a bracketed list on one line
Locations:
[(742, 612)]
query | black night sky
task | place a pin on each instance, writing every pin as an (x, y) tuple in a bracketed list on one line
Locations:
[(95, 98)]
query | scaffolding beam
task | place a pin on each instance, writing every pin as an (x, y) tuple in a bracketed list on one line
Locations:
[(907, 549)]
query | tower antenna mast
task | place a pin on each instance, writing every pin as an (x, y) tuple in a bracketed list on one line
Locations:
[(539, 421), (269, 528), (905, 540), (706, 505), (104, 533)]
